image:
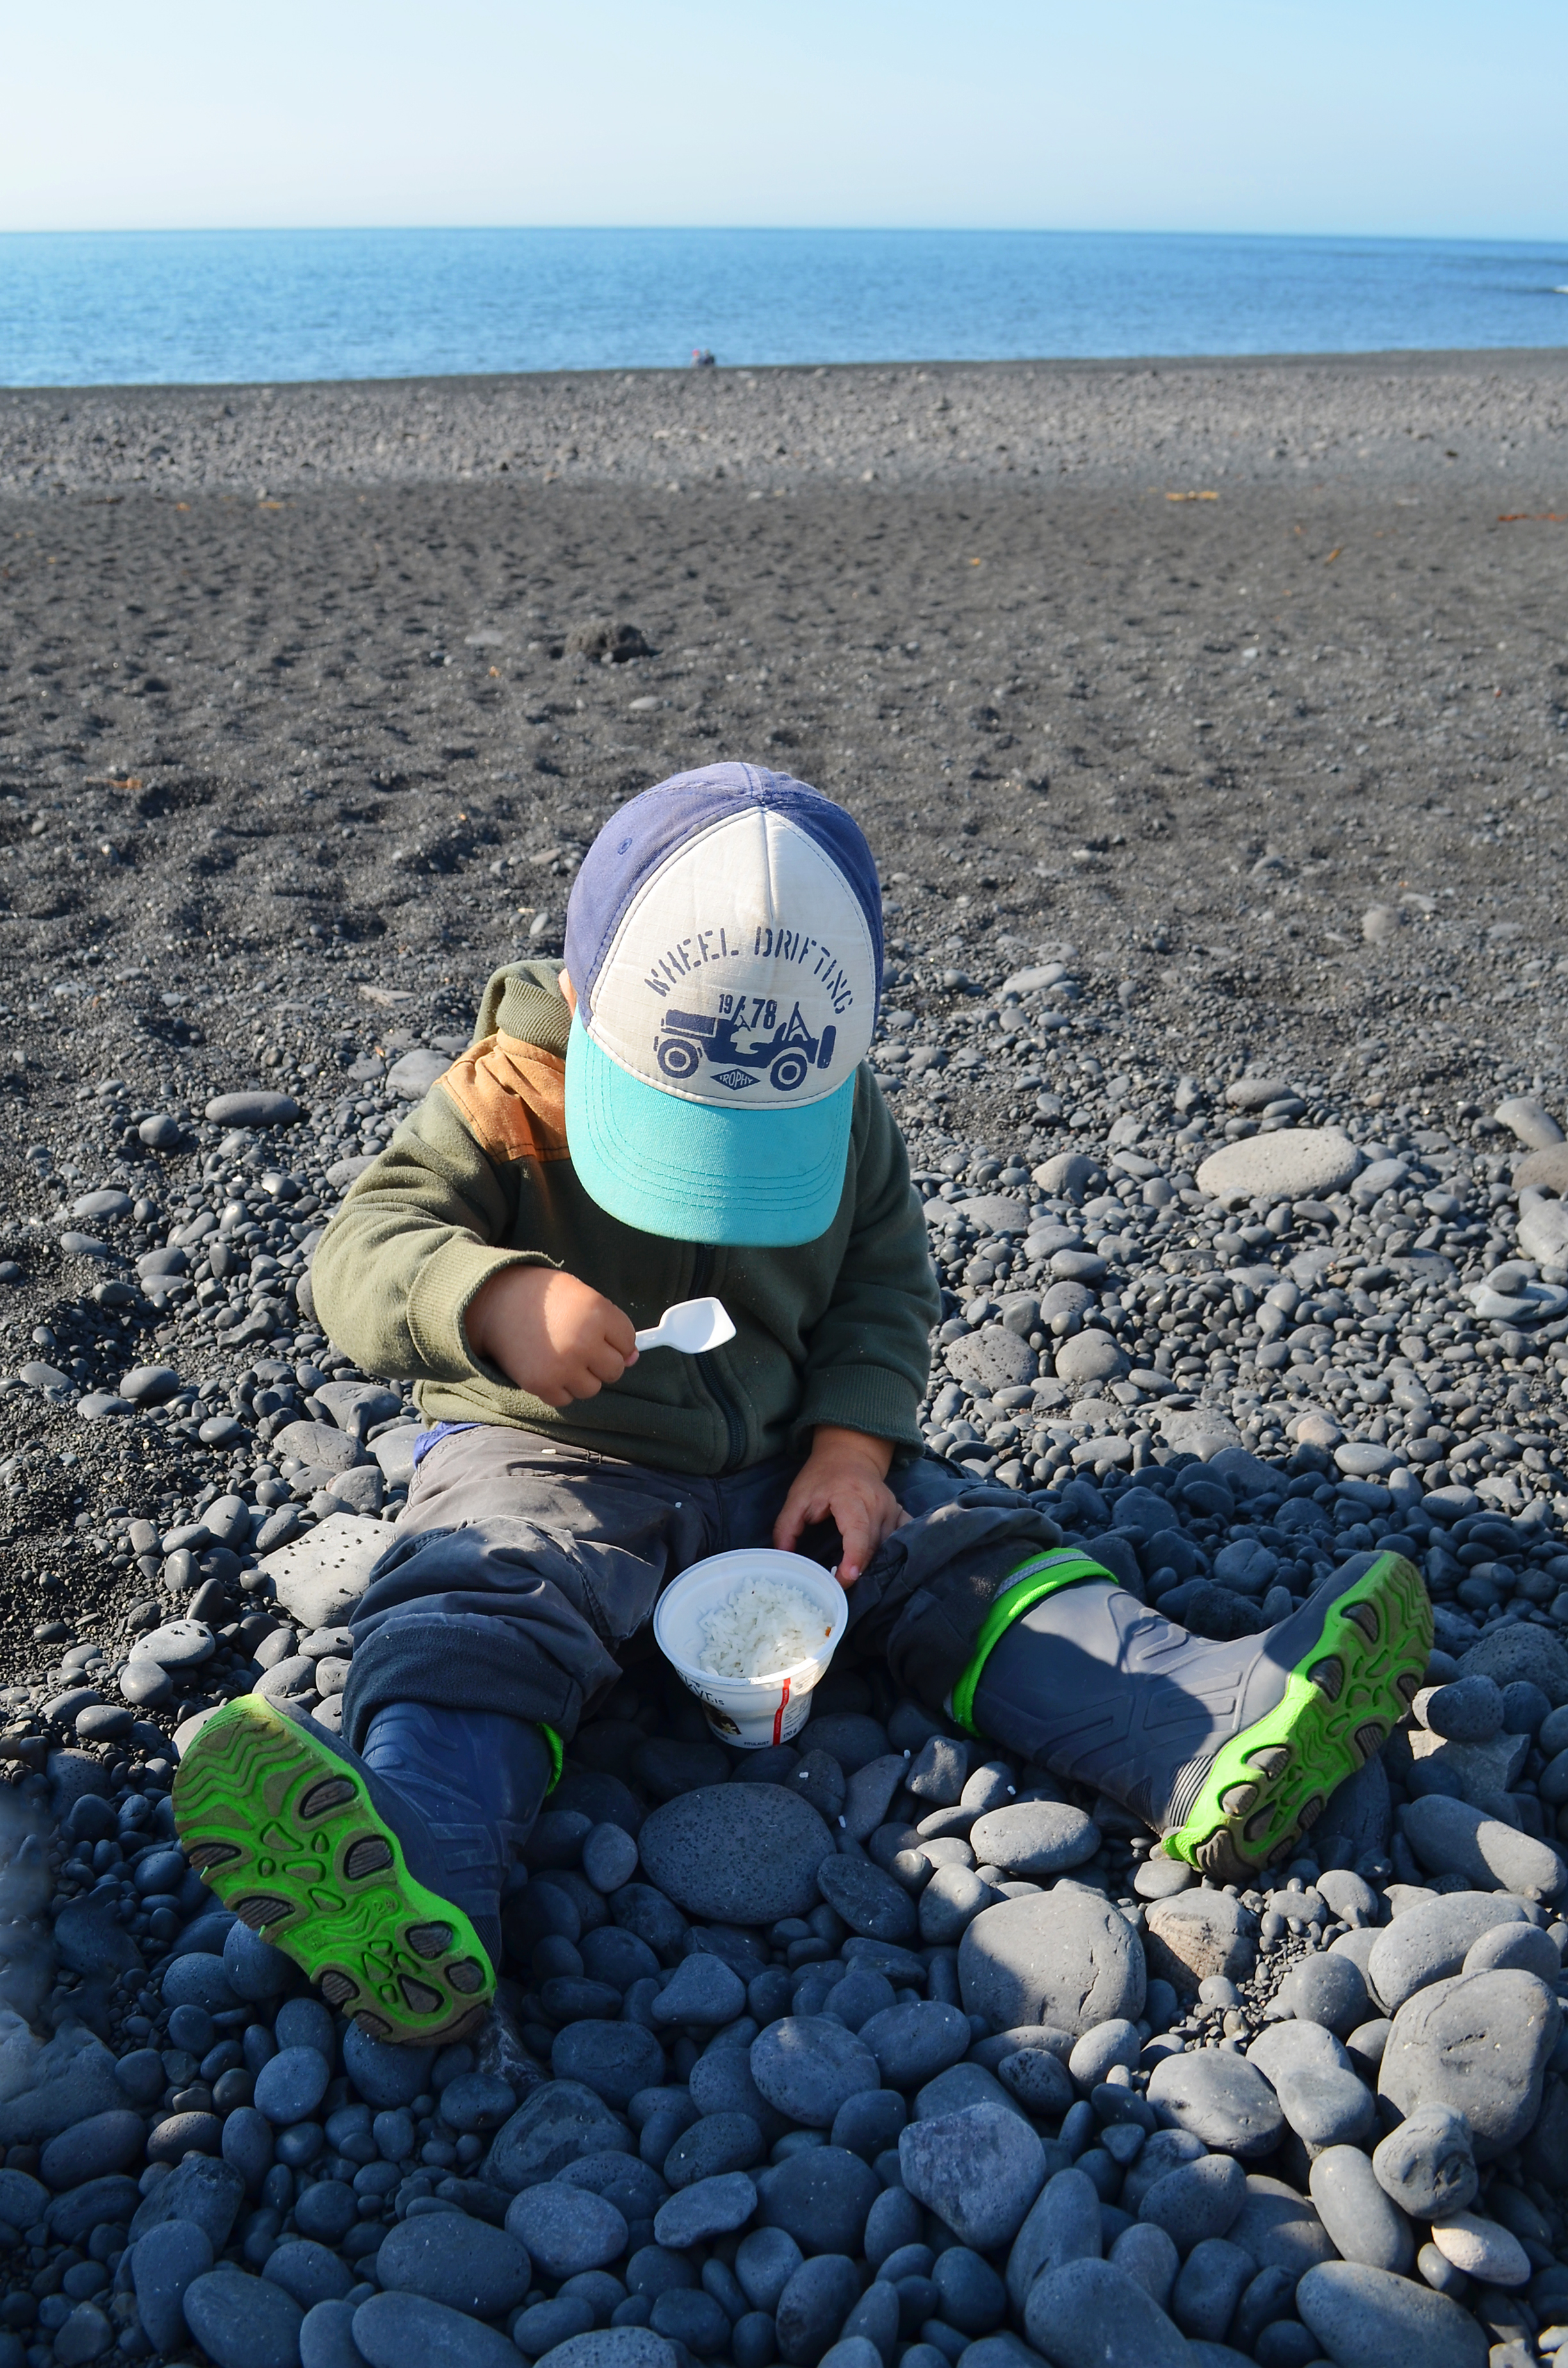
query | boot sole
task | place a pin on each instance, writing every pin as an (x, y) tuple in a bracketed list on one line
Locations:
[(1270, 1784), (283, 1828)]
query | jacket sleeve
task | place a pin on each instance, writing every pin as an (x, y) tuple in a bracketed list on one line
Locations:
[(413, 1245), (869, 1357)]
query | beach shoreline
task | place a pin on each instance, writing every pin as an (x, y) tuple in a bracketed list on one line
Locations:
[(1400, 419)]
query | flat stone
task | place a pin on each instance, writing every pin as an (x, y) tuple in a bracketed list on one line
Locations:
[(1090, 1356), (1454, 1837), (1511, 1650), (320, 1577), (612, 2347), (1484, 2250), (412, 1075), (822, 2198), (1065, 1957), (708, 2208), (321, 1445), (1197, 2200), (1367, 2318), (1545, 1170), (1298, 1163), (148, 1384), (808, 2066), (869, 1899), (1363, 2219), (1431, 1940), (737, 1854), (253, 1109), (1034, 1837), (1089, 2314), (71, 2077), (1327, 2106), (465, 2263), (703, 1990), (991, 1359), (1198, 1431), (1062, 2226), (1197, 1934), (408, 2331), (1219, 2098), (1528, 1121), (1479, 2045), (978, 2171), (163, 2263), (1327, 1990), (94, 2148), (241, 2321), (559, 2123)]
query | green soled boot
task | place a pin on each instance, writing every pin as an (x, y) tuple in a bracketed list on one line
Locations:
[(1230, 1751)]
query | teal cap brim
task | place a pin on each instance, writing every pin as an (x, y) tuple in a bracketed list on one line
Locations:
[(753, 1177)]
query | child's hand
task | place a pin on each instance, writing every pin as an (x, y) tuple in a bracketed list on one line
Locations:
[(844, 1479), (553, 1336)]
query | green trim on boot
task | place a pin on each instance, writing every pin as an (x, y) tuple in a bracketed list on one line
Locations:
[(1041, 1576), (1267, 1785), (280, 1822), (557, 1751)]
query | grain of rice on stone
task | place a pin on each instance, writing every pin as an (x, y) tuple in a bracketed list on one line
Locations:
[(766, 1627)]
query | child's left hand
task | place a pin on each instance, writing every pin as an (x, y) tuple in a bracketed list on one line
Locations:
[(844, 1480)]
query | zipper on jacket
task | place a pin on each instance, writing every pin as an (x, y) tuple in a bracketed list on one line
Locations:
[(735, 1422)]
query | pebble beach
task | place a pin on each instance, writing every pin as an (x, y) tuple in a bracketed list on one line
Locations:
[(1207, 720)]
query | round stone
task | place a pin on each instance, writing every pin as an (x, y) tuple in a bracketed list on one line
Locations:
[(869, 1901), (1298, 1163), (978, 2171), (613, 2059), (1364, 2223), (290, 2087), (462, 2263), (808, 2066), (1366, 2317), (737, 1854), (1065, 1957), (914, 2041), (1087, 2313), (1034, 1837), (254, 1109), (409, 2331), (821, 2197), (1219, 2098), (565, 2229), (241, 2321), (1477, 2044), (1326, 1989)]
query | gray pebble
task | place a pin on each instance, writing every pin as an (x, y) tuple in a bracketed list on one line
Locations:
[(978, 2171), (1219, 2098), (813, 2305), (1039, 2080), (949, 1904), (326, 2337), (409, 2331), (718, 2143), (709, 2208), (1034, 1837), (1065, 1957), (474, 2101), (1089, 2314), (869, 1901), (1518, 1947), (1478, 2044), (242, 2322), (1279, 2227), (1212, 2280), (1431, 1940), (1428, 2164), (1062, 2226), (382, 2074), (822, 2197), (1327, 1990), (614, 2346), (1467, 1710), (1451, 1838), (163, 2264), (545, 2324), (1363, 2219), (808, 2066), (1095, 2055), (610, 1858), (1367, 2318), (292, 2084), (1196, 2201), (1200, 1934), (764, 2262), (197, 2189), (1327, 2106), (703, 1990), (308, 2272), (737, 1854), (1148, 2254), (614, 2059), (565, 2230), (94, 2148), (914, 2041)]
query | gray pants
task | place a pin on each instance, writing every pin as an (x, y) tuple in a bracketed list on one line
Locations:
[(517, 1568)]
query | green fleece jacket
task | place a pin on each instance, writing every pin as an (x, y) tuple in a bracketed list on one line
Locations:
[(480, 1177)]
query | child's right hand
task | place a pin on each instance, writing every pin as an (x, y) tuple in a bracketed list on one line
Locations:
[(553, 1336)]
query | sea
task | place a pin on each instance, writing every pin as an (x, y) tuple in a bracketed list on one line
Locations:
[(232, 307)]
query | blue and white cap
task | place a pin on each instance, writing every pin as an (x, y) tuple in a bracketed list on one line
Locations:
[(724, 938)]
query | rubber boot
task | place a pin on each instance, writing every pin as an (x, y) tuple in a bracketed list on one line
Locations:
[(1229, 1751), (379, 1875)]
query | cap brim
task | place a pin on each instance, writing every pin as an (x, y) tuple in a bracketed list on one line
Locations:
[(754, 1178)]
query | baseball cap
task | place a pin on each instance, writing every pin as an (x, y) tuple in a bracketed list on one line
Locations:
[(725, 937)]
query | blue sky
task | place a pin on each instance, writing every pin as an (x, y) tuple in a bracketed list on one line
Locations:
[(1385, 117)]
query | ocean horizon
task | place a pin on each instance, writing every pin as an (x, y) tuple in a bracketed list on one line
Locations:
[(235, 307)]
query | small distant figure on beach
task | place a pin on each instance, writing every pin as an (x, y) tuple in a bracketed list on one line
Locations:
[(701, 358)]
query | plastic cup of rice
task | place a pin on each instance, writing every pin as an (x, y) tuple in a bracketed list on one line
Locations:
[(751, 1634)]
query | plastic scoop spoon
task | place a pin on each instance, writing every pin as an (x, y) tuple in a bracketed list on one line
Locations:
[(692, 1325)]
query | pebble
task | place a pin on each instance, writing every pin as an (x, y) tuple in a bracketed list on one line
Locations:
[(613, 2059), (1452, 1838), (737, 1854), (808, 2066), (1034, 1837), (1484, 2250), (869, 1901), (308, 2272), (719, 2142), (409, 2331), (1200, 1934), (1064, 2225), (253, 1108), (822, 2197), (1300, 1163), (978, 2171), (1095, 2056), (1327, 2106), (94, 2148), (1426, 2164), (565, 2229), (714, 2207), (1210, 2285), (290, 2087), (703, 1991), (764, 2262), (1326, 1989), (615, 2347), (1090, 2314), (1222, 2098), (1518, 1947), (609, 1857), (1146, 2253), (1432, 1940), (813, 2305), (1479, 2043), (1360, 2213), (1039, 2080), (241, 2321), (1366, 2317), (1064, 1957), (163, 2263), (1196, 2199), (914, 2041)]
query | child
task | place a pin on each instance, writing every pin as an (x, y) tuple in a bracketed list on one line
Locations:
[(685, 1110)]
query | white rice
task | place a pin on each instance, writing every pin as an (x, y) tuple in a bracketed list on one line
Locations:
[(768, 1626)]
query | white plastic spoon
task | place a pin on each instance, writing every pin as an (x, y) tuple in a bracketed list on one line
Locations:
[(691, 1327)]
